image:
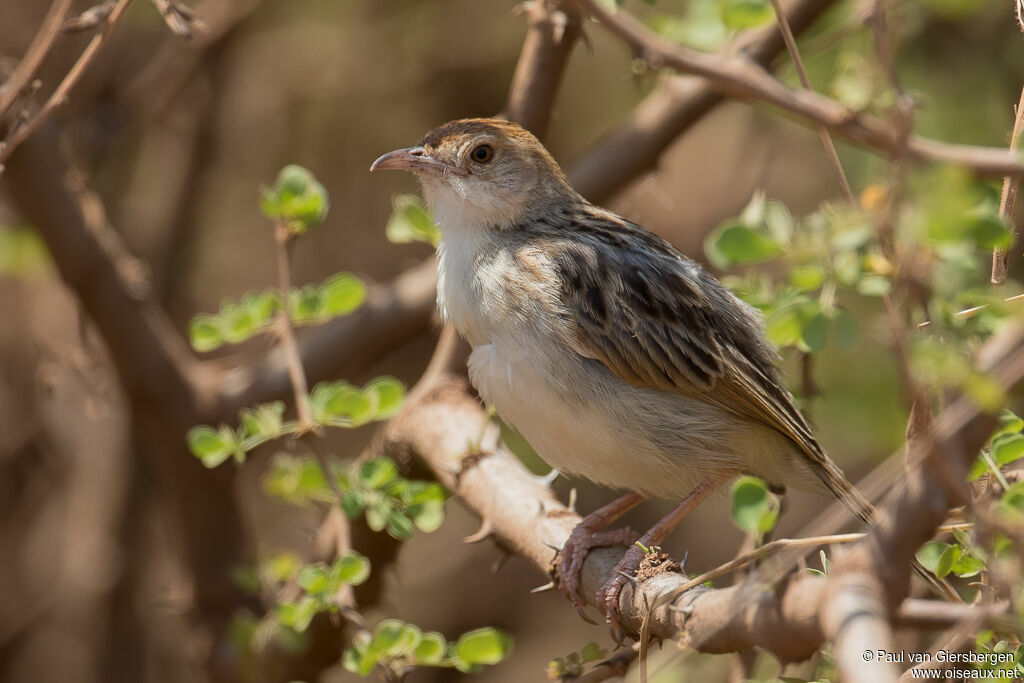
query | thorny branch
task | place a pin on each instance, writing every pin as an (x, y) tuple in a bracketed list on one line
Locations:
[(740, 76)]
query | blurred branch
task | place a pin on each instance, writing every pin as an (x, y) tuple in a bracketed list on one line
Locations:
[(42, 44), (60, 95), (442, 420), (672, 108), (740, 76), (553, 30), (1008, 201)]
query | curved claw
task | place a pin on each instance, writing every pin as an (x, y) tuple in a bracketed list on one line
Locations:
[(608, 596), (573, 554)]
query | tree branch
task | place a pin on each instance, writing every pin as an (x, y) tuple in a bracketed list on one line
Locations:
[(38, 51), (672, 108), (60, 95), (442, 419), (740, 76), (553, 30)]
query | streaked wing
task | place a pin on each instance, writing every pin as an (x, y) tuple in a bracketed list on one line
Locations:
[(656, 319)]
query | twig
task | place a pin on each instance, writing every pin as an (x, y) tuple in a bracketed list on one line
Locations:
[(1008, 201), (974, 310), (740, 76), (37, 52), (297, 374), (178, 17), (798, 64), (60, 95)]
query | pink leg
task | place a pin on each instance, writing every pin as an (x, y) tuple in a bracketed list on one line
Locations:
[(630, 562), (587, 535)]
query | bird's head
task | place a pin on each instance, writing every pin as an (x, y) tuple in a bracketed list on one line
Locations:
[(482, 173)]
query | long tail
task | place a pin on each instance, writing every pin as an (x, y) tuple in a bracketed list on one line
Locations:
[(853, 500)]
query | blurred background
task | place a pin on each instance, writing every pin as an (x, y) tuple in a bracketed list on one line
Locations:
[(176, 137)]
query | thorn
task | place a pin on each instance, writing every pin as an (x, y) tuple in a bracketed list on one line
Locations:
[(631, 578), (483, 532), (682, 563), (572, 500), (559, 20), (549, 478), (550, 585)]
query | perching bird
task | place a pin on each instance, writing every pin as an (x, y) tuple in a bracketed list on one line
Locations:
[(617, 358)]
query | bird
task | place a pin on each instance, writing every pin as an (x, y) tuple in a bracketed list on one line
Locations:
[(617, 358)]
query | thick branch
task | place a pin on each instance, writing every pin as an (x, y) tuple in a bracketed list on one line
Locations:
[(442, 420), (553, 30)]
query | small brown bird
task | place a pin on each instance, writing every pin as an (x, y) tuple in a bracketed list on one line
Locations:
[(617, 357)]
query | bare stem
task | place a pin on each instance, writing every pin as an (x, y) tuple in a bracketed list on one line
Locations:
[(37, 52), (282, 239), (1011, 184), (798, 64), (60, 95)]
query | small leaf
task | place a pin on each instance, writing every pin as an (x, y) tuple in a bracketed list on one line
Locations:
[(385, 394), (212, 447), (807, 278), (743, 14), (754, 509), (1008, 448), (376, 473), (814, 333), (930, 553), (399, 526), (483, 646), (204, 333), (315, 579), (297, 615), (737, 244), (342, 294), (592, 652), (431, 649), (968, 565), (874, 285), (352, 568), (949, 557), (411, 222)]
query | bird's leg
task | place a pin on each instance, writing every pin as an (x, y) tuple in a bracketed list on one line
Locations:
[(630, 562), (587, 535)]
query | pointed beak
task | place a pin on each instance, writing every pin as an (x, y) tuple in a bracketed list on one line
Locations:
[(413, 159)]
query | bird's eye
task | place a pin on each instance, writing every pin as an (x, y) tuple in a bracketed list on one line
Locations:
[(482, 154)]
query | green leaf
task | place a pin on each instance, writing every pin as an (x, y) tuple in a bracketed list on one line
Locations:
[(297, 615), (263, 421), (754, 508), (483, 646), (968, 565), (211, 446), (1008, 448), (236, 324), (399, 526), (352, 568), (874, 285), (737, 244), (281, 568), (592, 652), (1009, 423), (807, 278), (204, 333), (316, 580), (947, 560), (342, 294), (305, 304), (427, 517), (784, 326), (743, 14), (385, 395), (431, 649), (814, 333), (394, 638), (930, 553), (411, 222), (377, 473), (297, 198)]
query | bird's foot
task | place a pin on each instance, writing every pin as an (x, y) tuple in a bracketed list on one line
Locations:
[(574, 552), (608, 596)]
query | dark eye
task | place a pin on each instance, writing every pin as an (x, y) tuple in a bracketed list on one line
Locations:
[(482, 154)]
